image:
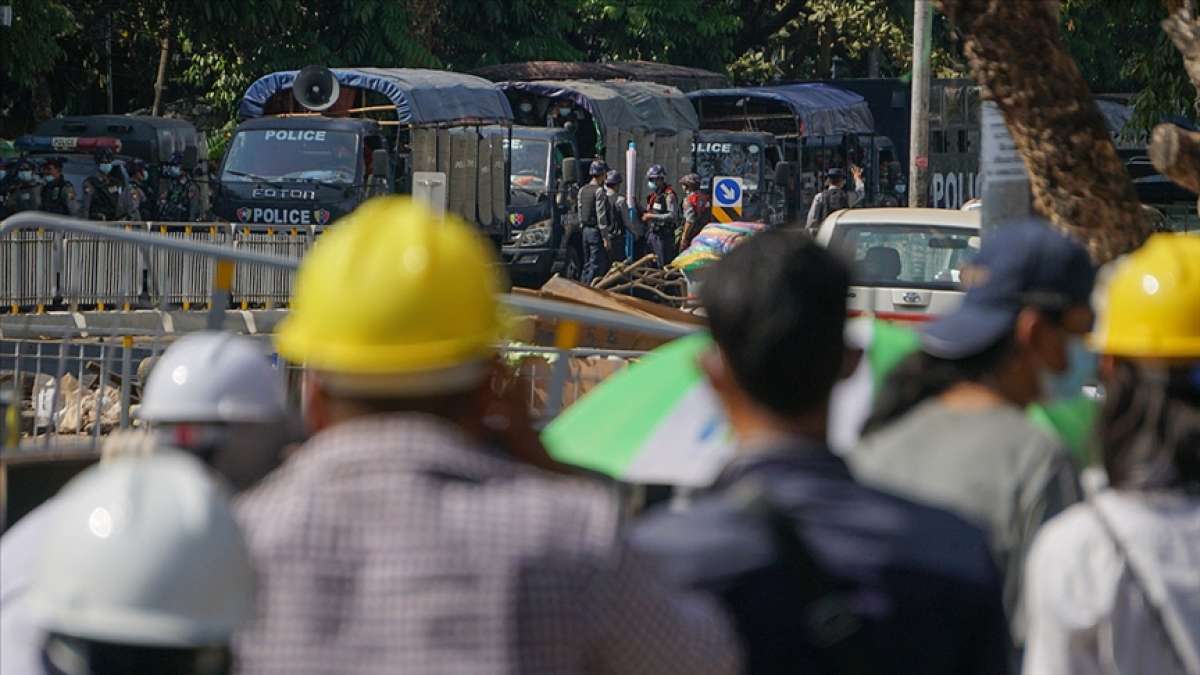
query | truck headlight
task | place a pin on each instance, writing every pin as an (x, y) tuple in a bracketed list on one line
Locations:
[(534, 235)]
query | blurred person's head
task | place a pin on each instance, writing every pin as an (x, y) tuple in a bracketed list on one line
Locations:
[(1018, 332), (1148, 336), (613, 179), (143, 570), (395, 311), (835, 178), (777, 311), (690, 182), (656, 177), (217, 396)]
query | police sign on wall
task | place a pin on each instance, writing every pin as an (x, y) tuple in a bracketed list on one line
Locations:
[(727, 198)]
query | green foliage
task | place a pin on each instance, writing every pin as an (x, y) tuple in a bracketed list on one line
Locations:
[(53, 59), (30, 48)]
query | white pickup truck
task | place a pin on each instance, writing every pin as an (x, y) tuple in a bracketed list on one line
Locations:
[(906, 261)]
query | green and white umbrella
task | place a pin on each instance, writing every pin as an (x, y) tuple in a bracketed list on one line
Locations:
[(655, 422)]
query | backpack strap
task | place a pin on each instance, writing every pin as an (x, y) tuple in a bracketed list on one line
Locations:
[(1159, 613), (831, 625)]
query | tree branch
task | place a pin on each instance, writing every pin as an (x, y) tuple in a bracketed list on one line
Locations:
[(1079, 183)]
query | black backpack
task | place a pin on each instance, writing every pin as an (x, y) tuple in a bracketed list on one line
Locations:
[(836, 199)]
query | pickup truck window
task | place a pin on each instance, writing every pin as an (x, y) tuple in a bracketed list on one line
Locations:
[(917, 256)]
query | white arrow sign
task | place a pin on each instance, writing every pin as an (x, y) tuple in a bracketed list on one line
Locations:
[(727, 192)]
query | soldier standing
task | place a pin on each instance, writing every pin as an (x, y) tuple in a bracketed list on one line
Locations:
[(179, 200), (696, 209), (147, 195), (614, 225), (105, 194), (592, 201), (58, 195), (25, 194)]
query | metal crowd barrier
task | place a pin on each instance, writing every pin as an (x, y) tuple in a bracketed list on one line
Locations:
[(99, 271), (27, 265), (269, 287), (179, 278)]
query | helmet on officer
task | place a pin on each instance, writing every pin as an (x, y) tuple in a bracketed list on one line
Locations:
[(690, 181), (143, 569), (217, 396), (597, 168), (613, 179)]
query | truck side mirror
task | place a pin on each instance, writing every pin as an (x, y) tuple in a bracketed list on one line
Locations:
[(570, 170), (379, 163), (783, 173)]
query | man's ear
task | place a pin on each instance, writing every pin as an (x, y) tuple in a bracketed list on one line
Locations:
[(716, 370), (1029, 327), (851, 357), (314, 404)]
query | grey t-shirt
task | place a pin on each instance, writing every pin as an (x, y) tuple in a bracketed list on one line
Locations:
[(990, 466)]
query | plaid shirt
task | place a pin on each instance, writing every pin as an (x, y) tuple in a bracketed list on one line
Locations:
[(391, 544)]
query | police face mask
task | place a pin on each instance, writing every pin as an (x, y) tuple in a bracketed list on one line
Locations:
[(25, 176), (526, 107), (3, 173), (105, 167), (1081, 370), (564, 112), (173, 171), (652, 185)]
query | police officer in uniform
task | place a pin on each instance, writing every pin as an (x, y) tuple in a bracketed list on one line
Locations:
[(25, 194), (180, 198), (147, 195), (58, 195), (105, 194), (835, 197), (592, 204), (661, 216), (696, 209), (615, 224)]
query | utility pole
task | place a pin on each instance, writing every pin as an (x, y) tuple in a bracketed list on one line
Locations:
[(918, 147), (108, 53)]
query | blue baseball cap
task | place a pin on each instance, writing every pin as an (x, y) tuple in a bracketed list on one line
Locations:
[(1021, 264)]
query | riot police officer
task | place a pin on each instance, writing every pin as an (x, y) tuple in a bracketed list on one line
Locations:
[(147, 195), (105, 194), (615, 224), (179, 200), (592, 204), (58, 195), (661, 216), (696, 209), (25, 194)]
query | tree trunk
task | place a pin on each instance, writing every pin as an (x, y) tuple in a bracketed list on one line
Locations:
[(1184, 31), (161, 80), (873, 59), (1078, 181)]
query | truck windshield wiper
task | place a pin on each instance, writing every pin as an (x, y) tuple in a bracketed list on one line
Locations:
[(257, 178)]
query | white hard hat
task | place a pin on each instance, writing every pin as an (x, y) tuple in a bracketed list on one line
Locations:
[(213, 377), (144, 551)]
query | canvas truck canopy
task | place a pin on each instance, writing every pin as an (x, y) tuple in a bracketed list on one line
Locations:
[(785, 110), (620, 105), (421, 97), (681, 77)]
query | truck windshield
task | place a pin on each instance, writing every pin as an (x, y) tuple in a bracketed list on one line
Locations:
[(530, 169), (292, 155), (744, 160)]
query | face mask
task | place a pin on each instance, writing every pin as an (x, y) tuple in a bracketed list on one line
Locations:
[(173, 171), (564, 111), (25, 176), (526, 107), (3, 173), (1081, 370), (652, 185), (105, 167)]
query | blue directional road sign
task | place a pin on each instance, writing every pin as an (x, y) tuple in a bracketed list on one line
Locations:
[(727, 192)]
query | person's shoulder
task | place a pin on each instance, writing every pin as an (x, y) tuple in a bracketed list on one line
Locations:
[(710, 540)]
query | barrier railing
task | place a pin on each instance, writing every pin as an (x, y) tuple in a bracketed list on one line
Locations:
[(102, 352)]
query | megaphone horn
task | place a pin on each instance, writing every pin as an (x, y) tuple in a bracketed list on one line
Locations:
[(316, 88)]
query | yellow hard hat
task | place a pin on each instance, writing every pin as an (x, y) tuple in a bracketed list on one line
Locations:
[(1150, 307), (393, 300)]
